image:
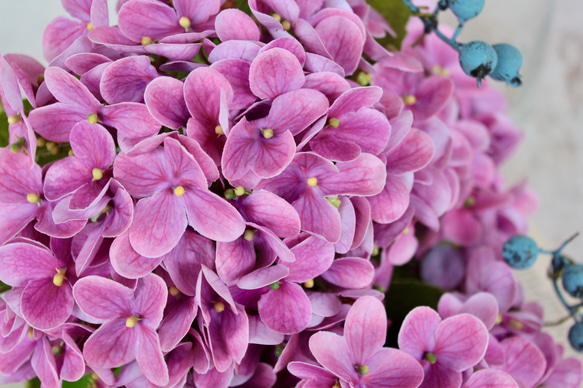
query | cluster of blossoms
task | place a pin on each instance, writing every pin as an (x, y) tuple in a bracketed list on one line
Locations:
[(234, 220)]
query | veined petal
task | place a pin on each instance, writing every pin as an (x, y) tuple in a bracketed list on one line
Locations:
[(149, 355), (103, 298), (331, 350), (68, 89), (130, 119), (180, 314), (150, 298), (60, 34), (313, 257), (350, 272), (364, 176), (233, 24), (165, 100), (212, 216), (413, 153), (125, 80), (129, 263), (43, 362), (365, 328), (267, 209), (318, 215), (147, 18), (241, 150), (93, 145), (343, 40), (286, 309), (54, 122), (490, 378), (235, 259), (22, 262), (417, 334), (275, 72), (112, 345), (202, 93), (460, 342), (65, 176), (198, 11), (391, 203), (145, 174), (46, 306), (159, 223), (263, 277), (392, 368)]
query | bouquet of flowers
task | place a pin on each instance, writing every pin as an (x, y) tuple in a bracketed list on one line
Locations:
[(219, 193)]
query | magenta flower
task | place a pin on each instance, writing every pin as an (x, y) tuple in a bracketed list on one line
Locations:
[(130, 318), (46, 299), (309, 179), (54, 122), (444, 348), (85, 174), (174, 194), (359, 358), (523, 361), (490, 378)]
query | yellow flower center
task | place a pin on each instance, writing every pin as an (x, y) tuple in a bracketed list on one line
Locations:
[(442, 71), (59, 278), (407, 230), (363, 78), (146, 40), (184, 23), (239, 191), (333, 122), (276, 16), (362, 369), (92, 118), (409, 99), (97, 174), (267, 133), (174, 291), (15, 118), (312, 181), (309, 283), (499, 319), (33, 198), (334, 201), (219, 306), (131, 321), (219, 130), (179, 191), (90, 26), (516, 325), (286, 25), (249, 234)]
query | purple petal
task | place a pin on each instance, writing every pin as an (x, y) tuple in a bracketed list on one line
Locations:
[(461, 342), (267, 209), (286, 309), (73, 367), (233, 24), (46, 306), (83, 62), (103, 298), (332, 352), (130, 119), (364, 176), (179, 316), (348, 219), (350, 272), (60, 34), (275, 72), (235, 259), (490, 378), (318, 215), (413, 153), (69, 89), (313, 257), (159, 223), (21, 263), (202, 93), (461, 227), (392, 202), (112, 345), (289, 44), (150, 298), (432, 94), (392, 368), (524, 361), (198, 11), (54, 122), (437, 375), (263, 277), (149, 355), (43, 362), (65, 176), (365, 328), (328, 83), (125, 80), (343, 40), (417, 334), (212, 216), (229, 337), (165, 100), (236, 72), (146, 18)]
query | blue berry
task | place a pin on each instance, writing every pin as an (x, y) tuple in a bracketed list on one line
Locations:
[(573, 280), (576, 336), (509, 63), (465, 10), (478, 59), (520, 252)]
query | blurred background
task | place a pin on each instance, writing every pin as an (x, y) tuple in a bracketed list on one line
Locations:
[(548, 108)]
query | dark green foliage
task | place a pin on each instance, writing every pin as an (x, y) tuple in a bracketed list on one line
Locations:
[(397, 14)]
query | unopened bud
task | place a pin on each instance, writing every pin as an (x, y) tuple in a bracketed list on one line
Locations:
[(15, 118), (239, 191)]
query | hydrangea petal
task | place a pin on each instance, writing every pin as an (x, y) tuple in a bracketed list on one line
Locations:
[(490, 378), (141, 18), (21, 263), (233, 24), (313, 257), (286, 309), (103, 298), (275, 72), (392, 368), (417, 331), (112, 345), (319, 216), (149, 355), (350, 272), (332, 352), (125, 80), (159, 223), (46, 306)]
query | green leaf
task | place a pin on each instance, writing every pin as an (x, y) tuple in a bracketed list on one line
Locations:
[(3, 128), (243, 5), (86, 381), (34, 383), (403, 296), (397, 14)]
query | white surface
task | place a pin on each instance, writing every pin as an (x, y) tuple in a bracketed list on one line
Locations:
[(548, 107)]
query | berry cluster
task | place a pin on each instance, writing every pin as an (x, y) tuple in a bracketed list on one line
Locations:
[(478, 59), (204, 197), (521, 252)]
